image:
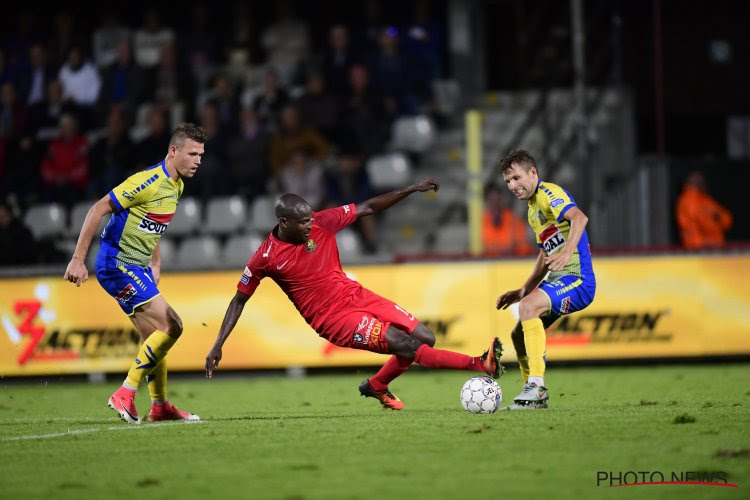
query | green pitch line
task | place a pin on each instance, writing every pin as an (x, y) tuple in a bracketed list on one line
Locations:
[(316, 438)]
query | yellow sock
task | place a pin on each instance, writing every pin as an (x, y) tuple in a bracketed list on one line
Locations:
[(523, 364), (535, 340), (157, 382), (151, 352)]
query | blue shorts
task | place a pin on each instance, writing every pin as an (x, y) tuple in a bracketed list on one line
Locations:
[(131, 286), (567, 294)]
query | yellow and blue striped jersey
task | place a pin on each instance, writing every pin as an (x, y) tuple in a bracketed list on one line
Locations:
[(145, 203), (546, 210)]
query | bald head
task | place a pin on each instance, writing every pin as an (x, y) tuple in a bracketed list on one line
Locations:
[(290, 205)]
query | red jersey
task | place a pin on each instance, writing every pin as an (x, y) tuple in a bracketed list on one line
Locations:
[(309, 274)]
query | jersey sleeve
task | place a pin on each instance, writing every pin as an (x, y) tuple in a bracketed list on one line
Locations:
[(136, 189), (252, 274), (558, 200), (336, 219)]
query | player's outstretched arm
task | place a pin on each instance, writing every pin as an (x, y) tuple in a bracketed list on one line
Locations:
[(381, 202), (537, 275), (578, 221), (76, 271), (230, 319)]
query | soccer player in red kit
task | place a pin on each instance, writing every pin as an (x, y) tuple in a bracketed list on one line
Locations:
[(301, 256)]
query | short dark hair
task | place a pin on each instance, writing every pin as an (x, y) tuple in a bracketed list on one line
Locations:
[(520, 157), (187, 131)]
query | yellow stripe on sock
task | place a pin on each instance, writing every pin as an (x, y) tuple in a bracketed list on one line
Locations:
[(150, 354), (535, 340), (157, 382)]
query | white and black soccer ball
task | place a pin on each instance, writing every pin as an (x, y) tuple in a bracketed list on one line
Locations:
[(481, 395)]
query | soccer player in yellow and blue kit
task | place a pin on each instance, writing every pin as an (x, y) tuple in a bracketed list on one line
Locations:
[(128, 266), (560, 228)]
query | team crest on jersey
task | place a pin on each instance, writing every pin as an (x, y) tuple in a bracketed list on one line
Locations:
[(310, 246), (541, 217)]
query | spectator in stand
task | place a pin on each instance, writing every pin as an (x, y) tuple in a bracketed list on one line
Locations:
[(348, 182), (150, 37), (368, 31), (13, 121), (5, 73), (393, 71), (702, 220), (17, 244), (248, 156), (293, 136), (171, 84), (122, 84), (33, 80), (224, 96), (81, 85), (214, 178), (338, 58), (111, 156), (503, 232), (318, 107), (65, 167), (199, 40), (18, 43), (287, 41), (268, 104), (155, 143), (303, 177), (366, 115), (107, 38), (243, 33), (44, 116), (424, 42), (63, 39)]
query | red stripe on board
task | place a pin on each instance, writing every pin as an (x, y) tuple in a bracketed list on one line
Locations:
[(698, 483), (568, 340)]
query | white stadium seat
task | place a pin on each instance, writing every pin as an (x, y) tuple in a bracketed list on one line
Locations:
[(388, 171), (187, 218), (414, 134), (262, 216), (350, 246), (46, 220), (238, 249), (199, 252), (78, 215), (167, 253), (225, 215)]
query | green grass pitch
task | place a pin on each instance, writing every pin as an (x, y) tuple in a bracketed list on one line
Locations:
[(316, 438)]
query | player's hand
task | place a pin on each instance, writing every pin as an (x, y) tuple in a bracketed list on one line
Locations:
[(76, 272), (556, 261), (509, 298), (212, 361), (426, 184)]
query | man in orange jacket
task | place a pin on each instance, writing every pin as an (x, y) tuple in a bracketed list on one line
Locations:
[(503, 232), (702, 220)]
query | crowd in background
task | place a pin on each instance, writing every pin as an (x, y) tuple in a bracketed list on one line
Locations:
[(81, 110)]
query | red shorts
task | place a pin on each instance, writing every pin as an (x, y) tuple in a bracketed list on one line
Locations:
[(362, 323)]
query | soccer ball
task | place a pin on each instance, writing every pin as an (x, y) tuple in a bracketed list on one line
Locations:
[(481, 395)]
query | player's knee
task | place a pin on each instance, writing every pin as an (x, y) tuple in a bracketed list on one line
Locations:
[(411, 345), (424, 335), (529, 309), (175, 324)]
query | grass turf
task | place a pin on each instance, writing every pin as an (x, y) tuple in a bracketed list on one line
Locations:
[(314, 437)]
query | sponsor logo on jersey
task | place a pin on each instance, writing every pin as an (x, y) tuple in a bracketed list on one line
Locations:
[(541, 218), (155, 223), (130, 195), (246, 275), (310, 246), (346, 209), (552, 239), (556, 202), (126, 293)]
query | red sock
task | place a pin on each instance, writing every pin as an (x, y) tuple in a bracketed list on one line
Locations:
[(438, 358), (392, 368)]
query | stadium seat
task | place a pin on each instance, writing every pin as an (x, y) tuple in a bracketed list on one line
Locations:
[(350, 246), (238, 249), (187, 218), (78, 215), (168, 253), (388, 171), (199, 252), (413, 134), (46, 220), (262, 216), (447, 96), (225, 215), (452, 238)]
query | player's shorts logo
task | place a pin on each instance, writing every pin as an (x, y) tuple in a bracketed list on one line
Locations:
[(310, 246), (359, 338), (126, 293), (362, 323)]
